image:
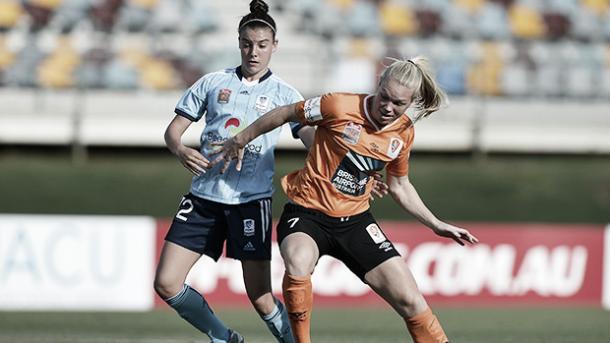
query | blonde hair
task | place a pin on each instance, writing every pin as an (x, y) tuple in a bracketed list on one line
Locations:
[(416, 74)]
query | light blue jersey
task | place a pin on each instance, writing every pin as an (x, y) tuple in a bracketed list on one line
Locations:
[(230, 103)]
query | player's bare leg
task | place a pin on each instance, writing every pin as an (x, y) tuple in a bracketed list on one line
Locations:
[(393, 281), (300, 254), (257, 279), (174, 264)]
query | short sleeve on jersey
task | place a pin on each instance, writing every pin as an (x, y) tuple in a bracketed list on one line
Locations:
[(400, 165), (192, 104), (313, 110), (294, 128)]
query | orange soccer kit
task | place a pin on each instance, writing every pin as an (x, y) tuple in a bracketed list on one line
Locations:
[(348, 148)]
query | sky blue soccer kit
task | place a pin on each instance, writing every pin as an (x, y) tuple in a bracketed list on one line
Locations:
[(229, 104)]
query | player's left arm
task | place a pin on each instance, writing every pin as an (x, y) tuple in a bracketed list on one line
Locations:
[(404, 193)]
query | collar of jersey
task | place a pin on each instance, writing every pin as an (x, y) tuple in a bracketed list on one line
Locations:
[(251, 83)]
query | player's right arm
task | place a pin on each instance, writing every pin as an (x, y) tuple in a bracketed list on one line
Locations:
[(190, 158), (233, 148)]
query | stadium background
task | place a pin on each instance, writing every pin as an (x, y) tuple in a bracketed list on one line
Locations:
[(88, 86)]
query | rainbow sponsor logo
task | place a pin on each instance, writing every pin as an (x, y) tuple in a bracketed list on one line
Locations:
[(234, 126)]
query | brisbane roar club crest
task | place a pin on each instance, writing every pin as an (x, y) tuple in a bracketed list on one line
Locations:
[(351, 133), (223, 96), (375, 232)]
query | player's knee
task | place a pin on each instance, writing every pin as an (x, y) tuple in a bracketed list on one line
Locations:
[(300, 262), (411, 304), (166, 287)]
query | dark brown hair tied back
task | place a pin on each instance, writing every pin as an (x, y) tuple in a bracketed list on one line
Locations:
[(258, 17), (259, 6)]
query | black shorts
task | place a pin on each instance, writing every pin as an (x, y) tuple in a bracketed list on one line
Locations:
[(203, 226), (357, 241)]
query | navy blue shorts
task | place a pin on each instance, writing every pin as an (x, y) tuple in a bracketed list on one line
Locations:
[(203, 226), (357, 241)]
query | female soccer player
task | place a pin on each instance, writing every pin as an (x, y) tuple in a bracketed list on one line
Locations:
[(328, 212), (235, 206)]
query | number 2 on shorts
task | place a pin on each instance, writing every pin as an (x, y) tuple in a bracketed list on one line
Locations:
[(187, 207)]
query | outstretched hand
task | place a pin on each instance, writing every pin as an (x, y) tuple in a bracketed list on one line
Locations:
[(380, 188), (228, 151), (458, 234)]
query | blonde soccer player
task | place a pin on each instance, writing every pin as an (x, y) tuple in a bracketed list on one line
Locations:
[(328, 209)]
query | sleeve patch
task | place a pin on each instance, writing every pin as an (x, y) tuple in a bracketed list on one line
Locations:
[(394, 147), (312, 109)]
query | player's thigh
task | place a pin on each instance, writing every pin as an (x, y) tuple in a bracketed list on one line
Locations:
[(174, 264), (199, 225), (301, 239), (249, 230), (393, 281), (363, 246)]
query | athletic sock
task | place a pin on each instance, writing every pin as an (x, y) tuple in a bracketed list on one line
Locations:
[(191, 306), (299, 303), (278, 323), (425, 328)]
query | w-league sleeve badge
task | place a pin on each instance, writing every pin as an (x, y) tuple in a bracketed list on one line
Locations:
[(351, 133), (224, 95)]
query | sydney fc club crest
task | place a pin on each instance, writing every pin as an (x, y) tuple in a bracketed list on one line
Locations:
[(224, 95), (248, 227), (351, 133)]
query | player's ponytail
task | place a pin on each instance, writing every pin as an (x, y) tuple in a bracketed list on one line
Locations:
[(258, 17), (416, 74)]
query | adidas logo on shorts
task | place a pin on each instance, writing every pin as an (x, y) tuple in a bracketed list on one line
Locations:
[(249, 247)]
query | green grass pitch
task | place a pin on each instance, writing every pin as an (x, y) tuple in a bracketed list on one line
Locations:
[(352, 325)]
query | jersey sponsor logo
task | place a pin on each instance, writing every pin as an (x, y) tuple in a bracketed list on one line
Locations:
[(353, 173), (262, 103), (394, 148), (234, 126), (312, 110), (351, 133), (249, 227), (223, 96), (375, 233)]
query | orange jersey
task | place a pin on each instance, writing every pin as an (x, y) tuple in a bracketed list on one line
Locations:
[(348, 148)]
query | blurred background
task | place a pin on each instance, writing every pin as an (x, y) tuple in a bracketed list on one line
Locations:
[(87, 88)]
